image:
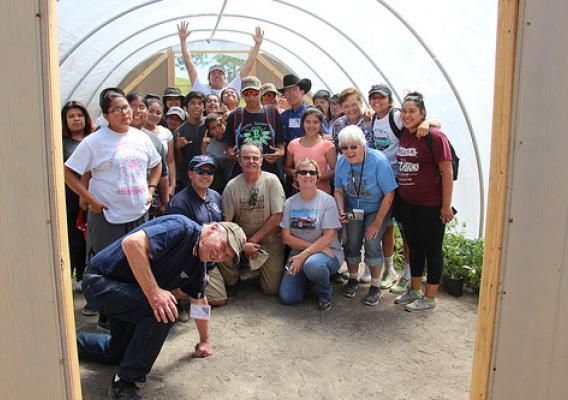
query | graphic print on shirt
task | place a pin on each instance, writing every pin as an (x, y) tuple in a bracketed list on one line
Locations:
[(407, 168), (357, 185), (131, 169), (303, 218), (256, 133), (381, 139)]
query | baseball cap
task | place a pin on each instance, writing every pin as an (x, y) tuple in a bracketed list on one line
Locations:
[(199, 161), (172, 92), (216, 67), (236, 235), (176, 111), (269, 88), (250, 82), (380, 89)]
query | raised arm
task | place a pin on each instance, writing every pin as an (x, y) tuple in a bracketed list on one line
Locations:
[(183, 33), (251, 59)]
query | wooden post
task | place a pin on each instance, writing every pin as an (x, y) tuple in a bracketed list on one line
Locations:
[(37, 339), (497, 198)]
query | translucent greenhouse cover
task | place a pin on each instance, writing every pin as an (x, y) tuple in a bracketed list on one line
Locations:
[(442, 48)]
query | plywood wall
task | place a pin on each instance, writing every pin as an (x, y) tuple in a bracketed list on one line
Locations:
[(529, 346), (37, 342)]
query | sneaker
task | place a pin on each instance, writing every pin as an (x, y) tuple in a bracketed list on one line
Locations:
[(408, 297), (338, 279), (389, 280), (421, 304), (366, 277), (183, 313), (350, 288), (400, 287), (324, 303), (373, 296), (123, 390), (89, 311)]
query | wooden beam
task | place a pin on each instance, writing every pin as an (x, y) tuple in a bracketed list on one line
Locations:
[(146, 72), (269, 66), (497, 197), (171, 68)]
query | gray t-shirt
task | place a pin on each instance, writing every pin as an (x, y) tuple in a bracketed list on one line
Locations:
[(306, 219)]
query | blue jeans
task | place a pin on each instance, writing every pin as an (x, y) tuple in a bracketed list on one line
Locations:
[(373, 248), (316, 272), (136, 337)]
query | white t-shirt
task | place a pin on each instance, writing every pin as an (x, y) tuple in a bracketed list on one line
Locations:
[(206, 89), (385, 140), (164, 134), (118, 164)]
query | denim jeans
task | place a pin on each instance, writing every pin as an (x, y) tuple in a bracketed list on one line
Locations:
[(316, 272), (373, 247), (136, 337)]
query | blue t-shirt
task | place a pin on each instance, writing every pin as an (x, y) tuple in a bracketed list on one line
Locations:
[(377, 179), (172, 239), (190, 204), (291, 126)]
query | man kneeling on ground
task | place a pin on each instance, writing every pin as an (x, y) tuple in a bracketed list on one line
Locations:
[(254, 200), (131, 281)]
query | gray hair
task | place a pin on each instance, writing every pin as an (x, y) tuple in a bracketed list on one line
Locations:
[(352, 133)]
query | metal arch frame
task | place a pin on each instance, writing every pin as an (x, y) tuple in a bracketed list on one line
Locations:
[(202, 30), (99, 27), (444, 74), (353, 43), (90, 69)]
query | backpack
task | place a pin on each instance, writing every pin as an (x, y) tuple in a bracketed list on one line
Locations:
[(269, 115), (397, 132), (455, 158)]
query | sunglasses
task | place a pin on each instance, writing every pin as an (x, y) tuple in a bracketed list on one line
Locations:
[(306, 172), (251, 92), (352, 147), (201, 171), (253, 199)]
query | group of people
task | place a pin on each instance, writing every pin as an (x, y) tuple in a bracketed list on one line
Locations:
[(169, 198)]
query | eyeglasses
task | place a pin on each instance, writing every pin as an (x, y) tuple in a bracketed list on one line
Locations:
[(117, 110), (201, 171), (352, 147), (251, 158), (306, 172), (253, 197), (139, 108), (250, 92)]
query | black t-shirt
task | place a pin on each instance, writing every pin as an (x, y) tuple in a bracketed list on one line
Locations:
[(172, 239), (71, 199), (194, 134), (255, 128)]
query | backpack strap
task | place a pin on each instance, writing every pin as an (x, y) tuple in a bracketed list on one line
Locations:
[(395, 129), (237, 123), (270, 116), (373, 119)]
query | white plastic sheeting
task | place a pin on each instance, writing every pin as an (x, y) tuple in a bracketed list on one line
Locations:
[(443, 48)]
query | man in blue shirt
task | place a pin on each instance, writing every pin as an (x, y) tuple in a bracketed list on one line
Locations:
[(131, 281), (197, 202), (294, 90)]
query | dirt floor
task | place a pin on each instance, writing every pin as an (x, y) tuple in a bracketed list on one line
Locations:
[(265, 350)]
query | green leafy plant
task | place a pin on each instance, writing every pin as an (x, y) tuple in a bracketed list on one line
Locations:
[(463, 257)]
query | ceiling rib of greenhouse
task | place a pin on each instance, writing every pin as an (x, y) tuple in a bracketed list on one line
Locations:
[(327, 41)]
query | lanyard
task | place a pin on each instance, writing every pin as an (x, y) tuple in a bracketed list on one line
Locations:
[(360, 177)]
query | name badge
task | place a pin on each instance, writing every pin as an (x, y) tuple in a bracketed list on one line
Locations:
[(294, 123), (200, 312)]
